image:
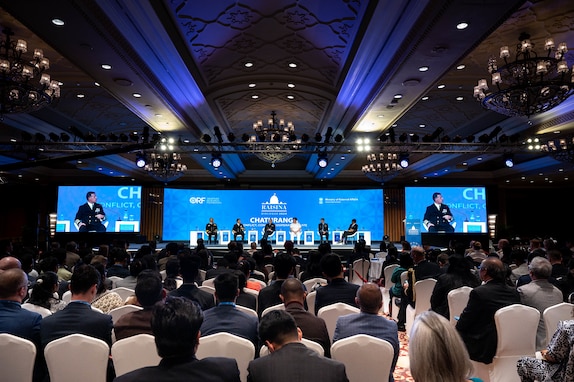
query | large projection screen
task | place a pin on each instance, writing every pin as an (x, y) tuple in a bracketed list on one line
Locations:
[(188, 210)]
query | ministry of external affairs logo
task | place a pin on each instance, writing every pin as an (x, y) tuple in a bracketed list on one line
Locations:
[(273, 205)]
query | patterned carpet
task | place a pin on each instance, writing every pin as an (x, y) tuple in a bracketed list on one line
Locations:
[(402, 373)]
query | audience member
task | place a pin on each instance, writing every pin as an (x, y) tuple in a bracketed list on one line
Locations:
[(476, 253), (535, 249), (519, 258), (148, 291), (313, 328), (42, 298), (189, 267), (457, 275), (222, 266), (9, 262), (283, 265), (175, 325), (368, 321), (476, 324), (72, 257), (405, 263), (559, 270), (337, 288), (173, 278), (290, 359), (245, 299), (540, 293), (436, 351), (170, 252), (105, 299), (566, 284), (225, 317), (119, 267), (313, 269), (504, 251)]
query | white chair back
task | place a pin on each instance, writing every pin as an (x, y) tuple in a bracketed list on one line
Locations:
[(374, 352), (134, 352), (114, 280), (273, 307), (67, 355), (516, 327), (423, 292), (387, 273), (331, 313), (359, 271), (311, 297), (17, 357), (124, 292), (224, 344), (67, 296), (116, 313), (209, 282), (247, 310), (315, 346), (457, 301), (202, 274), (554, 314), (311, 283)]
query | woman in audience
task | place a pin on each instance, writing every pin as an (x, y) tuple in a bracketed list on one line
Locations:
[(405, 262), (557, 363), (105, 299), (43, 298), (458, 274), (436, 351)]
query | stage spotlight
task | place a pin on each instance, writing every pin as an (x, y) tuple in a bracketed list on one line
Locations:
[(216, 161), (39, 137), (328, 134), (392, 134), (457, 139), (470, 138), (155, 137), (77, 132), (322, 160), (245, 137), (445, 139), (292, 137), (403, 137), (427, 138), (102, 137), (383, 137), (503, 138), (514, 138), (484, 138), (338, 138), (305, 138), (415, 138), (89, 137), (494, 132), (140, 160), (206, 138), (218, 134), (123, 137), (113, 137), (318, 137), (436, 133), (64, 137), (231, 137), (134, 136), (54, 137), (509, 160), (404, 160)]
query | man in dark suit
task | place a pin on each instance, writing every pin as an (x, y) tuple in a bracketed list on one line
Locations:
[(337, 288), (175, 325), (313, 328), (323, 231), (78, 316), (353, 227), (476, 324), (368, 321), (211, 231), (290, 359), (225, 317), (284, 266), (268, 229), (189, 268), (90, 215), (238, 230), (438, 217)]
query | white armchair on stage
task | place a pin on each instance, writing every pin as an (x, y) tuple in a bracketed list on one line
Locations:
[(292, 237), (193, 236)]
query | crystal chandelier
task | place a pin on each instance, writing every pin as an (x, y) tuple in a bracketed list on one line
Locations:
[(24, 85), (530, 84), (381, 166), (559, 149), (163, 163), (276, 136)]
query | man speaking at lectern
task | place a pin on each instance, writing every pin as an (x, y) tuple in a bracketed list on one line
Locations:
[(438, 217)]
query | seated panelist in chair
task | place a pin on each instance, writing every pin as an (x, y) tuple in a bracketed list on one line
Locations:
[(238, 230), (269, 229), (323, 230), (211, 231), (438, 217), (90, 215), (295, 230), (353, 228)]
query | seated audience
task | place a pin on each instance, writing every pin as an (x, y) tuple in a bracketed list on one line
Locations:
[(105, 299), (436, 351), (290, 360), (175, 325), (189, 269), (119, 268), (283, 264), (43, 298), (337, 288)]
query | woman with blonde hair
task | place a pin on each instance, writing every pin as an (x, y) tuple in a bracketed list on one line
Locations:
[(436, 351)]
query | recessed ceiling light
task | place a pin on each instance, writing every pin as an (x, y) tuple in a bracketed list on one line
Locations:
[(248, 64), (381, 116), (462, 25), (80, 95), (422, 125), (254, 96), (290, 97), (158, 115), (441, 86), (252, 85), (460, 98), (291, 86), (425, 98), (461, 66), (398, 96), (137, 95), (423, 68), (106, 66), (58, 22), (97, 84), (292, 65)]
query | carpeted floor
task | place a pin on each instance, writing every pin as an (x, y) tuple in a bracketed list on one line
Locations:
[(402, 373)]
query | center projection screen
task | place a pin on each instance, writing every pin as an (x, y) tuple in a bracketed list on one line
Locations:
[(190, 210), (467, 205)]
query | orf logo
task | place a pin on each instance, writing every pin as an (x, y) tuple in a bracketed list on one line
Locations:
[(197, 199)]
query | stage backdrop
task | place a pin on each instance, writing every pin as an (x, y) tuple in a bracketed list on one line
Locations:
[(467, 204), (188, 210), (122, 205)]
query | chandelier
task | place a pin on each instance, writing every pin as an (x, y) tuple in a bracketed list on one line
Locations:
[(276, 136), (381, 166), (559, 149), (163, 163), (530, 84), (24, 85)]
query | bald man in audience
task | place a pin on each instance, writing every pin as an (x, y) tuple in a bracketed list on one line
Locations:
[(293, 295), (9, 262), (370, 300)]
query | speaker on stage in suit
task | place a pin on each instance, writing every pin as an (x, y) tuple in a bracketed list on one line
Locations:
[(323, 230)]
